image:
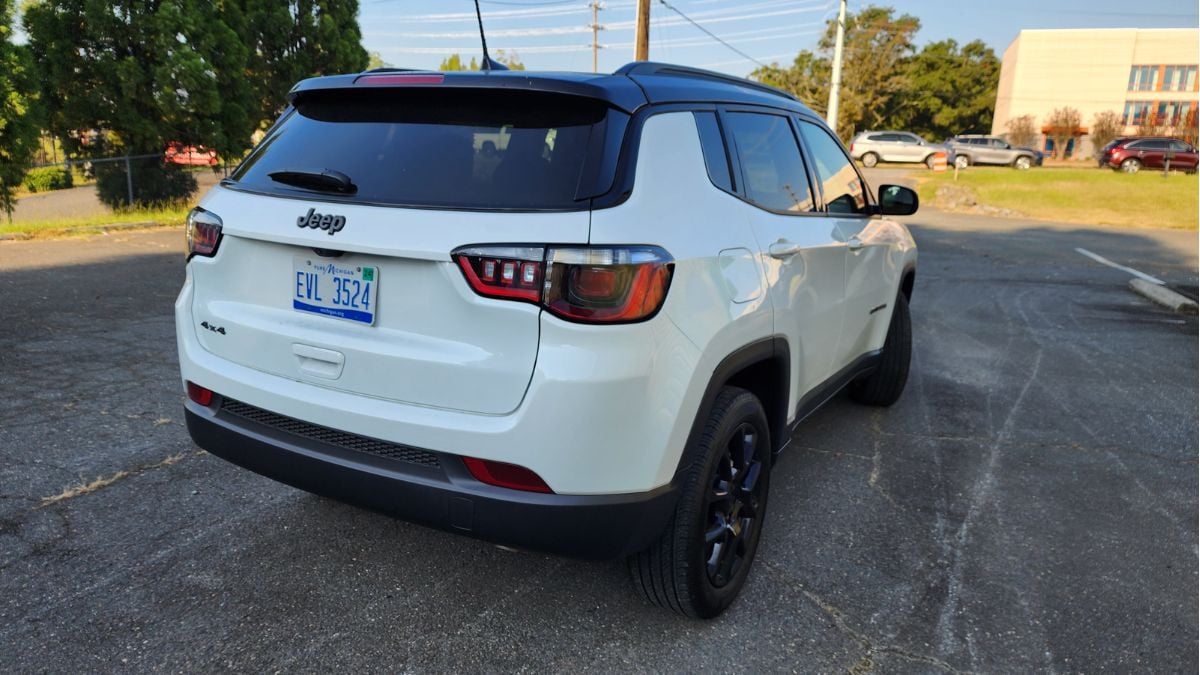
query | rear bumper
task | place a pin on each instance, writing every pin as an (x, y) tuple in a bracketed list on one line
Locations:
[(437, 491)]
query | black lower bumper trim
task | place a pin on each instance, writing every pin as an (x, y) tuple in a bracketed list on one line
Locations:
[(594, 527)]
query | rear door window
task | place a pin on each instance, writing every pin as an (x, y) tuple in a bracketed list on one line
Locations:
[(841, 185), (773, 173), (455, 148)]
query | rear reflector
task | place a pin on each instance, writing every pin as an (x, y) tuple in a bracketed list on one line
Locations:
[(402, 78), (502, 474), (199, 394)]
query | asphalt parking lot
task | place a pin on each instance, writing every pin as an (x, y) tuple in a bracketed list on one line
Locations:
[(1030, 504)]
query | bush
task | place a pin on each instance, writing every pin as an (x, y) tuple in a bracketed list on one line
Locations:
[(155, 185), (47, 179)]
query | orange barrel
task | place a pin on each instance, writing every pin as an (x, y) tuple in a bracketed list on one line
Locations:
[(939, 162)]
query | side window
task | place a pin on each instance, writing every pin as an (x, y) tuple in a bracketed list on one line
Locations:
[(1179, 146), (715, 157), (843, 189), (773, 172)]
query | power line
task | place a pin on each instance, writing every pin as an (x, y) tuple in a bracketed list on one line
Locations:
[(710, 34)]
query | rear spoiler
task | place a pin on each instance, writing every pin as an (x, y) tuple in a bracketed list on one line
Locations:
[(619, 92)]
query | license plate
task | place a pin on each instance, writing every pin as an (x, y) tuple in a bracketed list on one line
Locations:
[(335, 289)]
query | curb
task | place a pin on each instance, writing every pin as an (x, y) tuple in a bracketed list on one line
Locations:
[(81, 229), (1163, 296)]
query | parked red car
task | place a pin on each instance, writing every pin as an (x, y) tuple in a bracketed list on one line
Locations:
[(1131, 153), (190, 155)]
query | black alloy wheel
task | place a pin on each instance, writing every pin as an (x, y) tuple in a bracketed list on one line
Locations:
[(732, 505)]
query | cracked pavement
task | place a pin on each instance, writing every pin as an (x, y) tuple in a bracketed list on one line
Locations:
[(1030, 504)]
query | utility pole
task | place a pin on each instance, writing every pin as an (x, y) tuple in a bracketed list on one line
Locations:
[(641, 50), (831, 115), (595, 33)]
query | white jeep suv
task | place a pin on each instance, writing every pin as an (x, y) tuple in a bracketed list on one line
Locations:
[(573, 313)]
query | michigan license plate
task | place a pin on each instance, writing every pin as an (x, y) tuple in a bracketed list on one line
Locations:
[(335, 289)]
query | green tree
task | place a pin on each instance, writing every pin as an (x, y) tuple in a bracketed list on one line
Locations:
[(143, 73), (876, 50), (297, 39), (947, 90), (374, 60), (19, 129), (454, 62)]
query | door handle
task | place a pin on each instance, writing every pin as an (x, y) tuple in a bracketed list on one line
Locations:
[(855, 244), (784, 249)]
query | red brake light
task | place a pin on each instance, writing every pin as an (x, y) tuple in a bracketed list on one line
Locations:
[(402, 78), (199, 394), (616, 284), (203, 233), (502, 474)]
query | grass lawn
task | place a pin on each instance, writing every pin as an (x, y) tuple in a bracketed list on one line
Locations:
[(66, 226), (1091, 196)]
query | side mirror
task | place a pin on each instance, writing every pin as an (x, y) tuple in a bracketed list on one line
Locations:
[(897, 200)]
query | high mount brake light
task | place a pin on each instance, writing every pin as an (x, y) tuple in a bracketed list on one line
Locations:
[(203, 233), (601, 284), (402, 78)]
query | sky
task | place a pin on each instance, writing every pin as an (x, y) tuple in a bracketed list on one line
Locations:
[(555, 34)]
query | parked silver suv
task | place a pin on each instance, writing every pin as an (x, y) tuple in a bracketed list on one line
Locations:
[(872, 147), (969, 149)]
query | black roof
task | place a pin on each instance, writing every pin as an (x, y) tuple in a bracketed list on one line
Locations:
[(629, 88)]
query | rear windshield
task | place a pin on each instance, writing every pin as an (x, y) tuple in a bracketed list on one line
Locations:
[(453, 148)]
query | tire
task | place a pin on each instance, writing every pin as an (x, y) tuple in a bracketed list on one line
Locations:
[(1022, 163), (962, 161), (885, 384), (869, 159), (678, 571), (929, 161), (1131, 166)]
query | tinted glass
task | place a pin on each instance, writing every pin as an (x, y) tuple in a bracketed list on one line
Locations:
[(877, 137), (1152, 145), (715, 158), (909, 138), (773, 172), (451, 148), (843, 189), (891, 138), (1180, 146)]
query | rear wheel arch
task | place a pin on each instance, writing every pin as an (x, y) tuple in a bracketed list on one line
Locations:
[(762, 368)]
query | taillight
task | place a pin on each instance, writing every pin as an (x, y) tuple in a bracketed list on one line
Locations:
[(503, 474), (203, 232), (512, 272), (604, 284)]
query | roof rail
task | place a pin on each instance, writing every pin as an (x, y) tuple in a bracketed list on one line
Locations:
[(655, 68)]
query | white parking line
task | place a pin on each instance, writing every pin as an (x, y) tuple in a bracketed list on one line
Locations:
[(1105, 261)]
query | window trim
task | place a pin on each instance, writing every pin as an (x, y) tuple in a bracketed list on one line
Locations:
[(731, 149), (872, 209)]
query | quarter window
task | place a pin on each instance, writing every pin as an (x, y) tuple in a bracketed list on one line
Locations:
[(773, 172), (715, 157), (840, 184)]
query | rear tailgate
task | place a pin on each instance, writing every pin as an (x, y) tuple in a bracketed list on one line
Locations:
[(417, 332)]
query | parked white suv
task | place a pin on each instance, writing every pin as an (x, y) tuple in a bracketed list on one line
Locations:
[(566, 312)]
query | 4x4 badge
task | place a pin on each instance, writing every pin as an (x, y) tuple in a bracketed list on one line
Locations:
[(323, 221)]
